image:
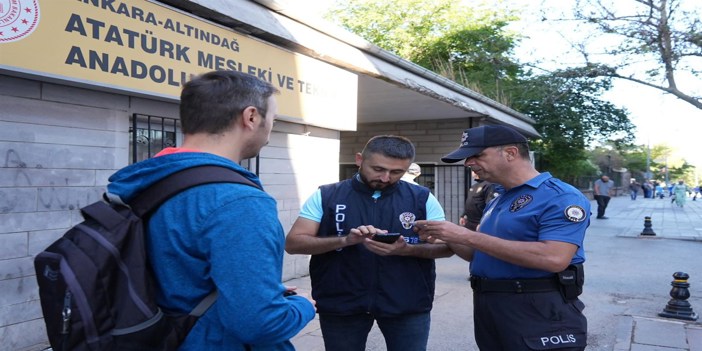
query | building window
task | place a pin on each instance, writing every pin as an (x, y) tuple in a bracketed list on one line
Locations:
[(347, 171), (154, 133), (150, 134)]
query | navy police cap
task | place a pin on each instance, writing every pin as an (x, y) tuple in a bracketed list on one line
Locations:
[(475, 140)]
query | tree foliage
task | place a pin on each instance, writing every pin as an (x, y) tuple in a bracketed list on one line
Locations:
[(472, 47), (570, 116), (481, 55), (659, 43), (641, 161), (664, 166), (466, 44)]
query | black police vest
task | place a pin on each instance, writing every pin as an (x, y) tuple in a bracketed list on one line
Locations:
[(354, 280)]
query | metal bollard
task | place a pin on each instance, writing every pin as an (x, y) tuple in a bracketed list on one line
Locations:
[(678, 307), (648, 230)]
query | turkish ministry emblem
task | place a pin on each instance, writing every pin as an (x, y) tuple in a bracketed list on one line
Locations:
[(407, 219), (18, 19), (520, 202), (575, 213)]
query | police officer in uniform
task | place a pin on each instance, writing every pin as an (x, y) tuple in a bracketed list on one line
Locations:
[(526, 261)]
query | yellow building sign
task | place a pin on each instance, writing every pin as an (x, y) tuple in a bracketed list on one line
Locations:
[(150, 49)]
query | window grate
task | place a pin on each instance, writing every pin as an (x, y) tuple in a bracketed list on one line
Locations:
[(150, 134), (154, 133)]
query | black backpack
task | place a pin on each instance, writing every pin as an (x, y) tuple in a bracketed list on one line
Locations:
[(95, 285)]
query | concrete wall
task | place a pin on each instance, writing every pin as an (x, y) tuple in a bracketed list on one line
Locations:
[(432, 139), (59, 144), (297, 160)]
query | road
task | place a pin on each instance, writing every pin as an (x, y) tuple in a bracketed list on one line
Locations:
[(626, 275)]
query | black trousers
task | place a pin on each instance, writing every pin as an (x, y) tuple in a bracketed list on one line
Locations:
[(528, 321), (602, 202)]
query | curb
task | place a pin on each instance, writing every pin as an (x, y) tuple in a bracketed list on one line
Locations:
[(624, 333)]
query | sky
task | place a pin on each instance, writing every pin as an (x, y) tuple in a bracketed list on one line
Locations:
[(659, 118)]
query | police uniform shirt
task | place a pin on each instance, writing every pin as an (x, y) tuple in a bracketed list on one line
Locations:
[(544, 208)]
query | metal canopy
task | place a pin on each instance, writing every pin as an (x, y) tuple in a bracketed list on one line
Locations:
[(380, 101), (390, 89)]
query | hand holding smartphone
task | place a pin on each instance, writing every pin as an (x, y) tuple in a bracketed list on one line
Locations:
[(387, 238)]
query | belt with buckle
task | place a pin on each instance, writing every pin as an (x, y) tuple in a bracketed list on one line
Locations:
[(519, 286)]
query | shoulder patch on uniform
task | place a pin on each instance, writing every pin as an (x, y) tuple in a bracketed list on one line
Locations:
[(520, 202), (575, 213)]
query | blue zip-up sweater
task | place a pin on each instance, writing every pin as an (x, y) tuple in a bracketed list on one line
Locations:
[(354, 280), (218, 236)]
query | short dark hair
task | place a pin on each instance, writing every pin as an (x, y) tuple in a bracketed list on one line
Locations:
[(392, 146), (209, 102)]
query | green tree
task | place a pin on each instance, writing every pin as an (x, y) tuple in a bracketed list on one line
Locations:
[(399, 26), (685, 172), (466, 44), (570, 116), (635, 157), (472, 47), (606, 159), (664, 167), (481, 54), (655, 43)]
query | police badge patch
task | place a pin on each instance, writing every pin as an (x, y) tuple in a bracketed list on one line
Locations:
[(575, 213), (520, 202), (407, 219)]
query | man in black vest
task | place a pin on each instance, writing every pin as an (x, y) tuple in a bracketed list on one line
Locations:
[(357, 280)]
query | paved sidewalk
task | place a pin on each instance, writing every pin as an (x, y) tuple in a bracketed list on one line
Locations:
[(627, 217), (452, 314), (668, 220)]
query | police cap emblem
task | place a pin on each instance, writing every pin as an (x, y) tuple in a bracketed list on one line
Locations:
[(575, 213)]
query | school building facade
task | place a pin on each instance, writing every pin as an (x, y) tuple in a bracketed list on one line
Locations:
[(90, 86)]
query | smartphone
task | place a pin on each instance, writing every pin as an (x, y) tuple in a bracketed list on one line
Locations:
[(387, 238)]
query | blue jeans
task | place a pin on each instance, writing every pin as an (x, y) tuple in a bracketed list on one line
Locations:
[(349, 333)]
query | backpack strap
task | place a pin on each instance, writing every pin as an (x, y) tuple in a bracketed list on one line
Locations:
[(205, 304), (155, 195)]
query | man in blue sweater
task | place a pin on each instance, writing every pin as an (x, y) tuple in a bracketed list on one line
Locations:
[(223, 236), (357, 280)]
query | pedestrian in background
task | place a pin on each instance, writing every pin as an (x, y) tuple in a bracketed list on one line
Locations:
[(647, 189), (680, 191), (526, 260), (659, 190), (479, 195), (356, 280), (412, 173), (221, 237), (602, 193), (634, 188)]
